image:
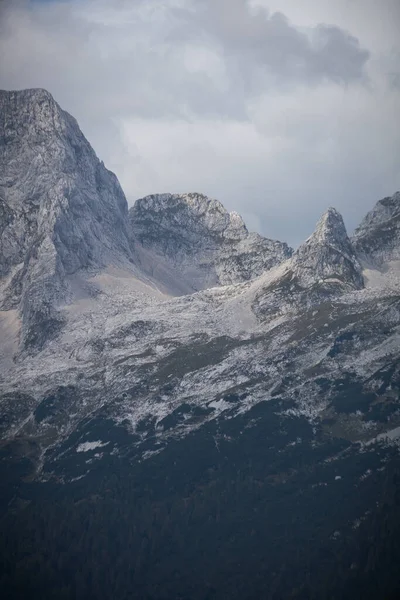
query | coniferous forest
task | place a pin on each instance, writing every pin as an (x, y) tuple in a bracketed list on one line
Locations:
[(229, 512)]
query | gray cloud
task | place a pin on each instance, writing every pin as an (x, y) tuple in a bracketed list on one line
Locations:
[(220, 96), (252, 38), (240, 52)]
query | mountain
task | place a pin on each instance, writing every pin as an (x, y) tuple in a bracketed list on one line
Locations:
[(64, 218), (377, 238), (190, 242), (323, 267), (61, 210), (327, 256), (238, 441)]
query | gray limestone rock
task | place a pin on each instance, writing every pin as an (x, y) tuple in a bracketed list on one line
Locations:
[(61, 210), (190, 242), (377, 238), (327, 256), (323, 267)]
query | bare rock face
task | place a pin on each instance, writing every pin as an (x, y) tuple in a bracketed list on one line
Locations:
[(190, 242), (323, 267), (327, 256), (61, 210), (377, 238)]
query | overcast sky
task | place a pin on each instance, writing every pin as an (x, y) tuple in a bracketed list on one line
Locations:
[(278, 108)]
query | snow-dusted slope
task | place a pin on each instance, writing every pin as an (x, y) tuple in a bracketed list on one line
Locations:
[(308, 329), (138, 358), (189, 242)]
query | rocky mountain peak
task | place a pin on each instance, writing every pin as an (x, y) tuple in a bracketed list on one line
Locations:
[(190, 242), (327, 256), (32, 111), (324, 266), (330, 229), (196, 212), (377, 238), (61, 210), (384, 210)]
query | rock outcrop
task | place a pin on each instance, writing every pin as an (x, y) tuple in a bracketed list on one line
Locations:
[(377, 238), (327, 256), (190, 242)]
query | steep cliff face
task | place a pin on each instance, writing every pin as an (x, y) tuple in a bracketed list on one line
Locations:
[(377, 238), (327, 256), (61, 210), (190, 242)]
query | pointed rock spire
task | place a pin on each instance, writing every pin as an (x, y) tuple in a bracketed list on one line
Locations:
[(323, 267), (330, 228), (327, 255)]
